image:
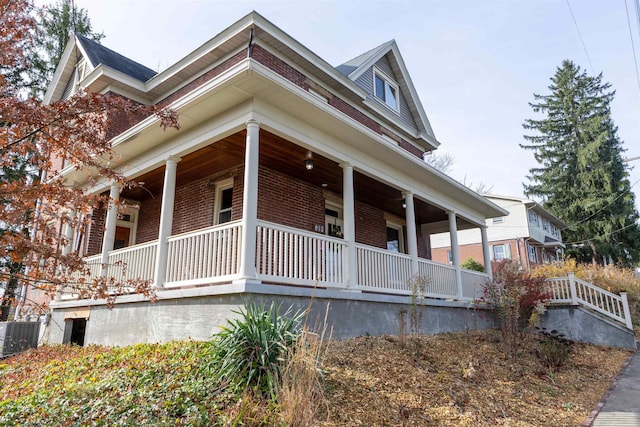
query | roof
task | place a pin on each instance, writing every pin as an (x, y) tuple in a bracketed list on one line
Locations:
[(98, 54), (353, 64)]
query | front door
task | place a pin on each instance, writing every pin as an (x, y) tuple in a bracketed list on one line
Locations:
[(123, 237)]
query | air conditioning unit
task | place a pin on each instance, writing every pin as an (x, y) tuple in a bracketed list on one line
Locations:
[(16, 337)]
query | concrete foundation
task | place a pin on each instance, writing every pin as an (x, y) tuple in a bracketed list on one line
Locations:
[(580, 324), (199, 312)]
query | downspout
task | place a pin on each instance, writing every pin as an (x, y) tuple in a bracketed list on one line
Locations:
[(250, 47)]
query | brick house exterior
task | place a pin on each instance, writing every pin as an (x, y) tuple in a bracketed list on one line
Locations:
[(286, 171), (529, 234)]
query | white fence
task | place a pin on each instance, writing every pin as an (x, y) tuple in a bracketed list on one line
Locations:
[(571, 290), (289, 255), (208, 255), (440, 279), (383, 271)]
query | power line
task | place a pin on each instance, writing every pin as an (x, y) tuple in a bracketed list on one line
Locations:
[(603, 235), (633, 47), (580, 35)]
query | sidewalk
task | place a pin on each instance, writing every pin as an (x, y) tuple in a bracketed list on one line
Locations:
[(621, 407)]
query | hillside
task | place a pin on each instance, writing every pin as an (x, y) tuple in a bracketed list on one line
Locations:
[(447, 380)]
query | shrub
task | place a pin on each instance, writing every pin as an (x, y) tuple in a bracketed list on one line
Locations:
[(518, 298), (249, 352), (554, 350), (472, 264)]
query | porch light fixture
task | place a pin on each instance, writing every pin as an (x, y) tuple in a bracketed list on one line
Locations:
[(308, 164), (404, 202)]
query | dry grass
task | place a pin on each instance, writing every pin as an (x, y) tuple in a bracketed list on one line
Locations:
[(461, 379)]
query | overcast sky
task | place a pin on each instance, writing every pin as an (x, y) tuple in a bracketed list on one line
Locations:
[(475, 64)]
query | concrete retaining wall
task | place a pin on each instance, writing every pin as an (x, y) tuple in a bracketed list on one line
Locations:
[(579, 324), (198, 313)]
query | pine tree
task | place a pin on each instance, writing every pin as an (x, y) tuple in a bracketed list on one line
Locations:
[(57, 23), (581, 177)]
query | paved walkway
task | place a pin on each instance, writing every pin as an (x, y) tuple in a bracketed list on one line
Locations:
[(622, 406)]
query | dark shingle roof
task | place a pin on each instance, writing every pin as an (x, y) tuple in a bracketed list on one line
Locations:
[(99, 54)]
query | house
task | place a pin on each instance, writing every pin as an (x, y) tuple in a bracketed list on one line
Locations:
[(290, 180), (529, 234)]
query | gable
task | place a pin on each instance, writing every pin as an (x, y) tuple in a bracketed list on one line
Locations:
[(387, 60), (366, 81)]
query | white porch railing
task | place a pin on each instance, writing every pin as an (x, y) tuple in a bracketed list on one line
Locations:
[(441, 279), (208, 255), (383, 271), (571, 290), (289, 255)]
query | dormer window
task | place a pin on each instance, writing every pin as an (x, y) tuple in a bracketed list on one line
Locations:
[(385, 90)]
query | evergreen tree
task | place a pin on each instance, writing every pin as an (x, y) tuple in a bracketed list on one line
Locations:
[(58, 22), (581, 177)]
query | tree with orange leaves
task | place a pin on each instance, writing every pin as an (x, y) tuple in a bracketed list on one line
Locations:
[(36, 203)]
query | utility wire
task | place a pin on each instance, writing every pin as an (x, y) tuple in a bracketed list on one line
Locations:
[(580, 35), (603, 235), (633, 47)]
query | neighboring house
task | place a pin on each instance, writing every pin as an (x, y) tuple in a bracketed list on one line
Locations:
[(289, 179), (529, 233)]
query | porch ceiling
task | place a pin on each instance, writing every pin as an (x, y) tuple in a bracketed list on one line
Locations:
[(284, 156)]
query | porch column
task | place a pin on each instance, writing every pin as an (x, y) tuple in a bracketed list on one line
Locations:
[(110, 227), (250, 203), (349, 211), (455, 250), (486, 251), (166, 219), (412, 234), (68, 234)]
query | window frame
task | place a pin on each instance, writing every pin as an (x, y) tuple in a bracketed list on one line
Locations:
[(221, 186), (388, 82), (400, 229)]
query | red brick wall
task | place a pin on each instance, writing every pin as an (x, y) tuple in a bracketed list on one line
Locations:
[(371, 227), (289, 201), (149, 219), (95, 231), (475, 251)]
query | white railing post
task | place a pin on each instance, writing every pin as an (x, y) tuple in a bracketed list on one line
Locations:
[(110, 227), (627, 311), (166, 220), (455, 251), (572, 289)]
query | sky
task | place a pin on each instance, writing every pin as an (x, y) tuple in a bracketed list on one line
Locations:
[(475, 64)]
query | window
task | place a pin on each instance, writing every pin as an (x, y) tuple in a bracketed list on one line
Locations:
[(395, 238), (533, 253), (333, 219), (545, 224), (500, 252), (449, 257), (533, 218), (385, 90), (223, 201)]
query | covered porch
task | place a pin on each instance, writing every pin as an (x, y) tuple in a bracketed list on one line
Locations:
[(280, 212)]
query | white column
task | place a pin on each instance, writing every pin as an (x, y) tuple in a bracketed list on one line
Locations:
[(250, 203), (166, 219), (110, 227), (412, 234), (349, 211), (455, 250), (486, 251), (68, 234)]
